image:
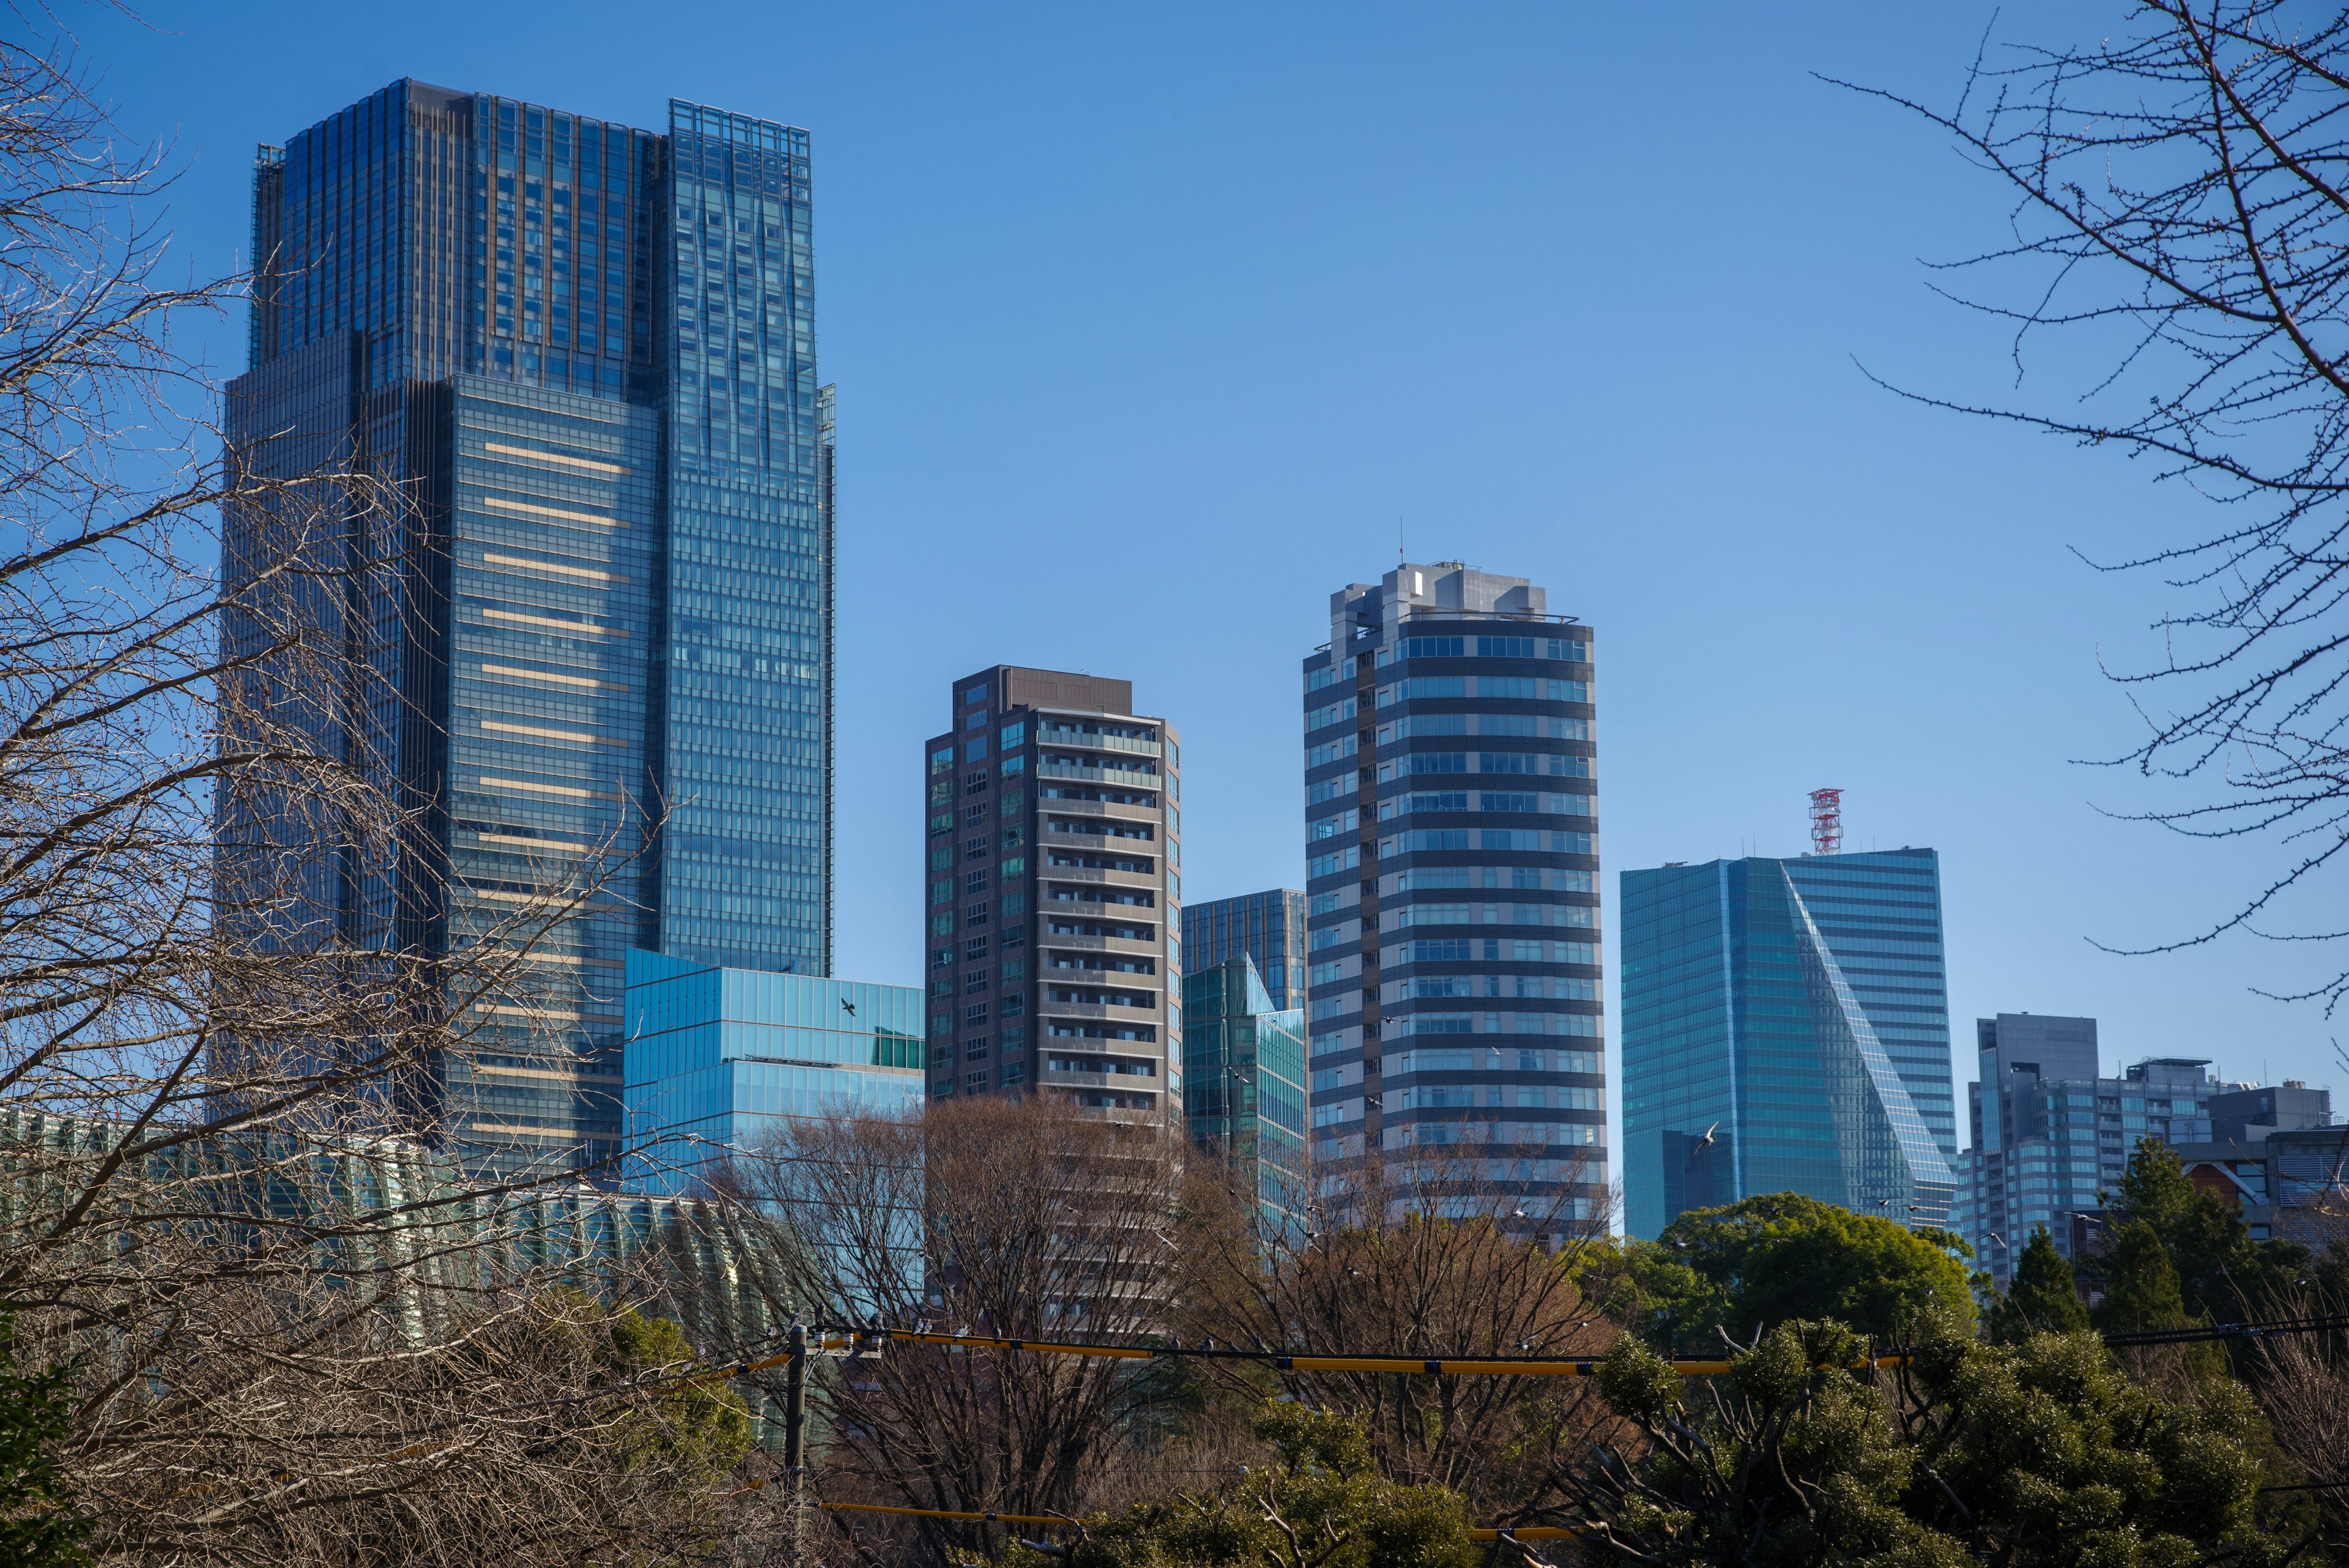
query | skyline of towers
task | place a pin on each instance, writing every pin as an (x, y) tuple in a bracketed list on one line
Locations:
[(1786, 1027), (596, 629), (1452, 843), (1052, 810)]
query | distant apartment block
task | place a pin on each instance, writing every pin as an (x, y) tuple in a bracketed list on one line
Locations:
[(1452, 845), (1053, 895), (1785, 1028), (1268, 928), (2050, 1135)]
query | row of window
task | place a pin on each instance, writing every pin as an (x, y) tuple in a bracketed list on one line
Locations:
[(1573, 650), (1513, 688)]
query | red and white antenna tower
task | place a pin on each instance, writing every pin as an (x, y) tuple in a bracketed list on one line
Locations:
[(1826, 821)]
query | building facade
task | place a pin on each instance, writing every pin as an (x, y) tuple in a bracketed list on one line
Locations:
[(597, 630), (1053, 895), (1452, 845), (1243, 1086), (716, 1057), (1268, 928), (2050, 1135), (1785, 1028)]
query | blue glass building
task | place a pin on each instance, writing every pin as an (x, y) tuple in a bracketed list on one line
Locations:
[(1452, 845), (1244, 1085), (598, 632), (1269, 927), (716, 1057), (1786, 1028)]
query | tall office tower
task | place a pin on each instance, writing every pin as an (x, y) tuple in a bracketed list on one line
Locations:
[(1268, 927), (1054, 893), (1243, 1086), (599, 626), (1785, 1028), (1452, 850)]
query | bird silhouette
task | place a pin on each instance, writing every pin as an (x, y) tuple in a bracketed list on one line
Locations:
[(848, 1007)]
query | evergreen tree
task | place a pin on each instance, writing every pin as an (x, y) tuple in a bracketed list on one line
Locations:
[(38, 1525), (2044, 1300), (2216, 1271), (2041, 1455)]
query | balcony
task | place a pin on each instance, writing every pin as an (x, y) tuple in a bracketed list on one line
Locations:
[(1048, 1008), (1051, 873), (1079, 738), (1123, 776), (1148, 814), (1075, 943)]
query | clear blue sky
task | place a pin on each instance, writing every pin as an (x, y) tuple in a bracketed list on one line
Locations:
[(1148, 322)]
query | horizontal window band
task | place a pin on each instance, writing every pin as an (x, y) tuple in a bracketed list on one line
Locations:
[(571, 628), (497, 560), (499, 895), (546, 1073), (583, 739), (561, 843), (555, 1015), (559, 679), (503, 1130), (571, 791), (589, 463), (561, 514)]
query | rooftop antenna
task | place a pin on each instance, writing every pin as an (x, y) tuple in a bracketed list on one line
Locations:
[(1399, 555), (1826, 821)]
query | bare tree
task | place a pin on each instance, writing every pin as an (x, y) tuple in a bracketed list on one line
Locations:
[(297, 1334), (2180, 210), (1031, 1220), (1430, 1254)]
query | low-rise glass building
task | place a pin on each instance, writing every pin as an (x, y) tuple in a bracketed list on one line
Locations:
[(715, 1056), (1244, 1085)]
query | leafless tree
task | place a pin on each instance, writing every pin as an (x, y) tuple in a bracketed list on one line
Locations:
[(1430, 1253), (297, 1334), (2180, 210), (1028, 1219)]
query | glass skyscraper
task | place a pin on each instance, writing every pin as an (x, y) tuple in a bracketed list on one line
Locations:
[(1786, 1028), (1452, 845), (1243, 1086), (599, 629), (1268, 928)]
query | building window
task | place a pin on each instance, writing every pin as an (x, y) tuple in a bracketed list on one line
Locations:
[(1014, 1073), (975, 882), (976, 915), (976, 1013), (973, 1082)]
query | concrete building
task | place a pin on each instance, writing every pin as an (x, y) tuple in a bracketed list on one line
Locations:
[(1785, 1028), (1451, 838), (1268, 928), (596, 626), (1053, 895)]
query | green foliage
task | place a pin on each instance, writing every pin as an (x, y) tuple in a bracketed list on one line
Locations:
[(680, 1422), (2045, 1298), (1323, 1505), (1777, 1258), (2036, 1455), (2176, 1254), (705, 1424), (38, 1525)]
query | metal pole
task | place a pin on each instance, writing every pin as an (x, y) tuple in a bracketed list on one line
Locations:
[(796, 1439)]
